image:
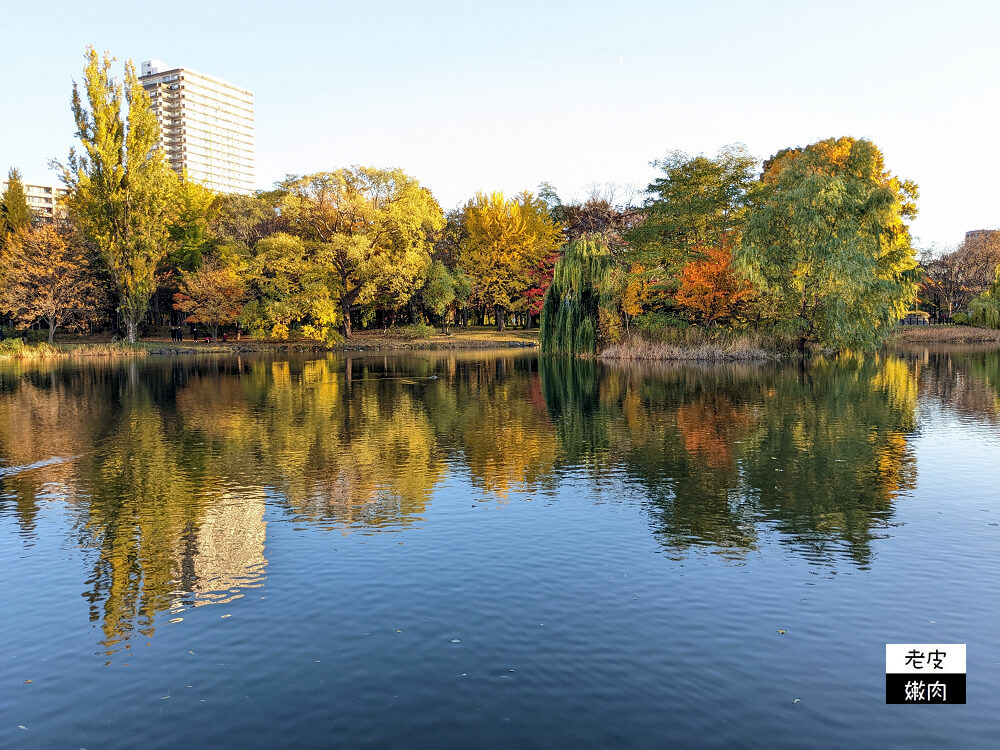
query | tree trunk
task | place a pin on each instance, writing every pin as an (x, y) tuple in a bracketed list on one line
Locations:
[(501, 318), (131, 330), (345, 327), (52, 328)]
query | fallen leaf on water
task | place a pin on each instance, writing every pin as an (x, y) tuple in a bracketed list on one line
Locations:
[(176, 619), (28, 682), (781, 632), (796, 700), (225, 616), (455, 640), (21, 726)]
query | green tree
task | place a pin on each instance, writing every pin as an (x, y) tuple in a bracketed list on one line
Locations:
[(698, 202), (15, 214), (372, 230), (190, 230), (121, 190), (571, 312), (439, 291), (246, 219), (827, 242), (984, 310)]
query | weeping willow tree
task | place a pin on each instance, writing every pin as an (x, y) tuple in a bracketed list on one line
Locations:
[(570, 312), (984, 310)]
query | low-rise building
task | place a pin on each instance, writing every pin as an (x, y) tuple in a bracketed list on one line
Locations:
[(42, 199)]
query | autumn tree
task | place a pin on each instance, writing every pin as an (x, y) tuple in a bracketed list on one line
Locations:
[(502, 241), (696, 202), (373, 230), (710, 289), (827, 242), (121, 189), (244, 220), (287, 285), (946, 284), (47, 273), (212, 295)]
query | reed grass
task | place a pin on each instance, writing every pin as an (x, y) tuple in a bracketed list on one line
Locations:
[(695, 344)]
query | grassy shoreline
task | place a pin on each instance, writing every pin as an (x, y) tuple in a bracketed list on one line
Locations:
[(944, 334), (471, 338), (692, 345), (698, 345)]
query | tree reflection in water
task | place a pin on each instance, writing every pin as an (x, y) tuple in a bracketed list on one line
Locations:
[(170, 468)]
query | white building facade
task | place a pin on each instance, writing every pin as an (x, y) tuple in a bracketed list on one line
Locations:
[(43, 200), (206, 126)]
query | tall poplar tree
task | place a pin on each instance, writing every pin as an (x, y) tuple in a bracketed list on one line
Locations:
[(121, 188)]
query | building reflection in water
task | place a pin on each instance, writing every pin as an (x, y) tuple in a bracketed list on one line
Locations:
[(168, 468)]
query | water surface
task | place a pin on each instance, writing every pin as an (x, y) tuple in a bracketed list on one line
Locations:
[(494, 550)]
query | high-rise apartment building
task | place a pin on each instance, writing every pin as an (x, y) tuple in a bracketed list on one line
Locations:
[(206, 126), (43, 200)]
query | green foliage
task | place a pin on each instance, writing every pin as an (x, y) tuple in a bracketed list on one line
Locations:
[(961, 319), (15, 214), (371, 230), (288, 287), (191, 237), (439, 289), (571, 310), (655, 325), (699, 201), (984, 310), (121, 190), (827, 244), (420, 331)]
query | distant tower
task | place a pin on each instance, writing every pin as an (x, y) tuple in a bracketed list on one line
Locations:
[(206, 126)]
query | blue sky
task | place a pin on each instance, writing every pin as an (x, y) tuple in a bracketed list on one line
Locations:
[(468, 96)]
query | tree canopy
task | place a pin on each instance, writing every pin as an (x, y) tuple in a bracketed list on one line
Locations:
[(373, 229), (827, 242), (503, 241)]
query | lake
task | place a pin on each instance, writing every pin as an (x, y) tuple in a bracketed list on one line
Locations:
[(494, 550)]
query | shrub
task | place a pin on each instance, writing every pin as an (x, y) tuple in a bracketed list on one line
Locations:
[(961, 319), (657, 325), (419, 330)]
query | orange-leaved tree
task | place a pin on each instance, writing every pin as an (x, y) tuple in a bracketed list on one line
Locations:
[(212, 295), (47, 272), (710, 288)]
